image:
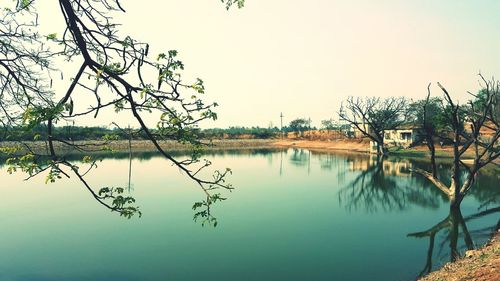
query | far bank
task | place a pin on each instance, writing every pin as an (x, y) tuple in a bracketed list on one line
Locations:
[(341, 145)]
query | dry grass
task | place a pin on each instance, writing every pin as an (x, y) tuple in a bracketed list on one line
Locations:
[(352, 145)]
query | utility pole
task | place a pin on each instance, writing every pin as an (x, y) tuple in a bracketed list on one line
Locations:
[(281, 128)]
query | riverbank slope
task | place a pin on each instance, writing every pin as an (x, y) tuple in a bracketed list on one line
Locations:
[(479, 265)]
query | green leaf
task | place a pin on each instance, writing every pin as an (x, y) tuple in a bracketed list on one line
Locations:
[(52, 36)]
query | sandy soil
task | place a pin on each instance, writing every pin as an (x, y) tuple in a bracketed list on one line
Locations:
[(345, 145), (478, 265), (357, 145)]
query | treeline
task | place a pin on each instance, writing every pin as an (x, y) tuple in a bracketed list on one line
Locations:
[(297, 126), (78, 133), (240, 132), (75, 133)]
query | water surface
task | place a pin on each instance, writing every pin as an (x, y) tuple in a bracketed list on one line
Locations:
[(295, 215)]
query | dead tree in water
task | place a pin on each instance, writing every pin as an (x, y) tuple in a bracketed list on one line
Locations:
[(474, 127)]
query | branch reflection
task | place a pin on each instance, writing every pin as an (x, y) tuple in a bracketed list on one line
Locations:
[(454, 226), (382, 184)]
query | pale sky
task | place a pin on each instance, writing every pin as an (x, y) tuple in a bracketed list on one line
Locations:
[(303, 57)]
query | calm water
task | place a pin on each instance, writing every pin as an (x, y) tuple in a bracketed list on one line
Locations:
[(295, 215)]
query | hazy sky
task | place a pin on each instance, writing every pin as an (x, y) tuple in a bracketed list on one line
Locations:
[(303, 57)]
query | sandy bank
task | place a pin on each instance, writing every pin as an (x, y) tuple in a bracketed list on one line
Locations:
[(344, 145), (478, 265)]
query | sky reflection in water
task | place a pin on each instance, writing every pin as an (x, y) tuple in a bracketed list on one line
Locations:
[(295, 215)]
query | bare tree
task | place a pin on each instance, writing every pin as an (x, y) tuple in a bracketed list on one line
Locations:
[(373, 116), (468, 125), (429, 115), (116, 70)]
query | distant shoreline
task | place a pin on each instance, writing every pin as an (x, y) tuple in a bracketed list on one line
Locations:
[(340, 145), (345, 145), (143, 145)]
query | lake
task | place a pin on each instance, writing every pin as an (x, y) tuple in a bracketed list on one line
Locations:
[(295, 215)]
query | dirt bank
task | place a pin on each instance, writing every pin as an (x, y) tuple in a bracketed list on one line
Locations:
[(362, 145), (344, 145), (478, 265)]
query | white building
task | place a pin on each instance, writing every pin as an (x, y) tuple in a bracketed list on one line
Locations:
[(403, 136)]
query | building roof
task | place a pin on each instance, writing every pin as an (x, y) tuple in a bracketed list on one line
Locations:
[(408, 127)]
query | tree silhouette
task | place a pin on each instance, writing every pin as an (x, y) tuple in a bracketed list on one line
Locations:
[(379, 186), (372, 116), (429, 115), (468, 126), (116, 70)]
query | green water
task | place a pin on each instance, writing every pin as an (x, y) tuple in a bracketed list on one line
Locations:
[(295, 215)]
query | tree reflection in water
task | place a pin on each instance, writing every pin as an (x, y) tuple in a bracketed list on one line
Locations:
[(451, 226), (299, 157), (387, 184)]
